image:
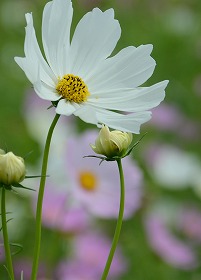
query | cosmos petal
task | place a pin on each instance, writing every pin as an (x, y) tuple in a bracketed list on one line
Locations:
[(45, 91), (127, 123), (95, 38), (33, 60), (65, 108), (57, 17), (130, 100), (131, 67)]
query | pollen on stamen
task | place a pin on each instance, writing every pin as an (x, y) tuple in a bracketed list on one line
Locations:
[(72, 88)]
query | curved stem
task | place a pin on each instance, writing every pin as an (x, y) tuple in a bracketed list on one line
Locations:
[(40, 199), (5, 235), (119, 223)]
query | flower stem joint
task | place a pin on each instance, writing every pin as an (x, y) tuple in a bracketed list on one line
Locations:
[(12, 170), (112, 144)]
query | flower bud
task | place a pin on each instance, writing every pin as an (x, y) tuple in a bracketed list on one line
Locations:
[(112, 143), (12, 168)]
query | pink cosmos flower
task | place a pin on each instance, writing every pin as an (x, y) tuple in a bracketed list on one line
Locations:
[(25, 265), (190, 223), (58, 212), (90, 251), (169, 118), (97, 187), (172, 249)]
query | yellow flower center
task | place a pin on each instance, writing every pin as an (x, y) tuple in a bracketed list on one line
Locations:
[(73, 88), (88, 180)]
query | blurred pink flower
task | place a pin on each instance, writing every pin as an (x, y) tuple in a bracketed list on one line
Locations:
[(90, 251), (25, 265), (170, 248), (169, 118), (96, 187), (190, 223), (59, 214)]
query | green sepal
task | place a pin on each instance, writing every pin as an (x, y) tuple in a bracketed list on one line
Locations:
[(28, 154), (18, 185), (7, 187), (35, 176), (19, 246), (134, 145)]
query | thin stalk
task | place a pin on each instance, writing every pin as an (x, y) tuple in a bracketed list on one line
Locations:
[(119, 223), (40, 199), (5, 235)]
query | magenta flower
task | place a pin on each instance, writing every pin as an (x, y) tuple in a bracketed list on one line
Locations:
[(96, 187)]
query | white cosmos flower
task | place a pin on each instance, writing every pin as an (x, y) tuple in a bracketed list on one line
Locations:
[(81, 77)]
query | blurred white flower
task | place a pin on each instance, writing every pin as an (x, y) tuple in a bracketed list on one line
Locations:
[(172, 167), (80, 79)]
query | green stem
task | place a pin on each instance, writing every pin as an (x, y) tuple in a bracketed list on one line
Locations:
[(5, 235), (40, 199), (119, 223)]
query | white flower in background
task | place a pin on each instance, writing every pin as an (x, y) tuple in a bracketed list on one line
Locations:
[(172, 167), (36, 109), (80, 78)]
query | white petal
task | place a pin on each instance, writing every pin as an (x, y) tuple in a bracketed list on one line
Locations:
[(94, 39), (25, 64), (45, 91), (131, 67), (127, 123), (33, 60), (87, 113), (136, 100), (57, 17), (65, 107)]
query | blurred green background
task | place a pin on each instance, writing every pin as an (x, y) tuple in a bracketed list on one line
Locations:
[(174, 28)]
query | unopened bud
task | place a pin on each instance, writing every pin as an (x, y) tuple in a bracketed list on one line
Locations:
[(12, 168), (112, 143)]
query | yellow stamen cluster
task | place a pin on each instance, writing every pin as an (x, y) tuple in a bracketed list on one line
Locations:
[(72, 88), (88, 180)]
